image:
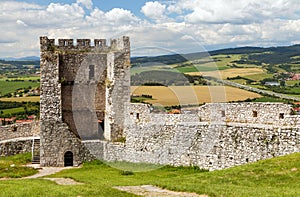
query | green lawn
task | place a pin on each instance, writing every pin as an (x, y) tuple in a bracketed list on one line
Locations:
[(274, 177)]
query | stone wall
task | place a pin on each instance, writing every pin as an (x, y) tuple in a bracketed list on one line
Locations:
[(16, 146), (118, 89), (50, 88), (204, 145), (181, 139), (258, 113), (19, 130), (56, 140)]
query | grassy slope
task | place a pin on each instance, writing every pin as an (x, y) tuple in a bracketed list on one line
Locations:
[(12, 166), (274, 177)]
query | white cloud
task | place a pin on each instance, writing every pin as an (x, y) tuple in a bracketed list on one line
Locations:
[(86, 3), (154, 10), (20, 22), (64, 10), (119, 15), (230, 11)]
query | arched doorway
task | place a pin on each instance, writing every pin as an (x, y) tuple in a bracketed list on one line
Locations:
[(68, 158)]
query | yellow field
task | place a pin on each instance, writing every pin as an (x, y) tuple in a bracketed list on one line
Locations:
[(175, 95), (22, 99), (233, 72), (183, 95)]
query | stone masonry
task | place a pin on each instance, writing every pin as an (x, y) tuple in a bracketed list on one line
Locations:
[(202, 139), (85, 93), (18, 138)]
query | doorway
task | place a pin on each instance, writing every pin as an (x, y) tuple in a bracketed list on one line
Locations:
[(68, 158)]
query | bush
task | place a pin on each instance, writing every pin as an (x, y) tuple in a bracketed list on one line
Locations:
[(126, 173)]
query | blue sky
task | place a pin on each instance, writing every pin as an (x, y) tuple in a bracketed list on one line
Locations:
[(155, 27), (106, 5)]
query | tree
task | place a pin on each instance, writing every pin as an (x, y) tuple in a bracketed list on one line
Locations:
[(282, 83)]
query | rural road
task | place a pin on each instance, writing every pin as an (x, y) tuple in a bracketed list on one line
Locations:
[(259, 91)]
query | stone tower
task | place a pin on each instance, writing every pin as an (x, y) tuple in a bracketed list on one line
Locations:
[(85, 94)]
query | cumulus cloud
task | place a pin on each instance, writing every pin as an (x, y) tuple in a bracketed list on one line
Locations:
[(154, 10), (119, 15), (229, 11)]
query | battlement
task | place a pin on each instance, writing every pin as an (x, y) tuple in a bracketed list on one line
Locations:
[(84, 44)]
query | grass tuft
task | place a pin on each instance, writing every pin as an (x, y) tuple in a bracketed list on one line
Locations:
[(126, 173)]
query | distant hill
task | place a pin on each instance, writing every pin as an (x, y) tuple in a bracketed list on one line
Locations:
[(28, 58), (270, 55)]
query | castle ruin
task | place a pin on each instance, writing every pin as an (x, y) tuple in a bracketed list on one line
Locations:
[(86, 114)]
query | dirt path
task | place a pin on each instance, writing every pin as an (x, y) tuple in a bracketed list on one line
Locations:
[(45, 171), (152, 191), (64, 181)]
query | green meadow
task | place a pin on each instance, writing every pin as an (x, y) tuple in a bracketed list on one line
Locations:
[(273, 177)]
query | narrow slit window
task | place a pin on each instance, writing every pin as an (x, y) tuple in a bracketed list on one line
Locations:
[(91, 71), (137, 116), (254, 114), (281, 115), (223, 113)]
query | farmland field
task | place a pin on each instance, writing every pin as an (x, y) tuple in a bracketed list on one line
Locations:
[(258, 77), (220, 63), (139, 69), (291, 83), (12, 86), (183, 95), (232, 72), (13, 110), (22, 99), (25, 78)]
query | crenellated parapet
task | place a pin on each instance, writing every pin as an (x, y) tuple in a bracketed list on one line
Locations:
[(84, 44)]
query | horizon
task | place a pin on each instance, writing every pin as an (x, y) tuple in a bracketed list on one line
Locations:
[(37, 57)]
